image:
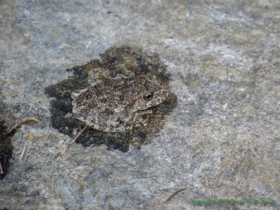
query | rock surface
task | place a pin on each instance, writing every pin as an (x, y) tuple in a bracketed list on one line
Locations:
[(220, 142)]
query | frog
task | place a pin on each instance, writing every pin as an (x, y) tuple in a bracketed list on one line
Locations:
[(119, 104)]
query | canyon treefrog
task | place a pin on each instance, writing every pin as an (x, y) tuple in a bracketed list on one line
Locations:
[(116, 105)]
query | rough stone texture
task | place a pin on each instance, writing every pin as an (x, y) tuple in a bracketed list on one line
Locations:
[(224, 58)]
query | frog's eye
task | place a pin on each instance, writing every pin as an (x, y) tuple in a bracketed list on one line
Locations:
[(148, 96)]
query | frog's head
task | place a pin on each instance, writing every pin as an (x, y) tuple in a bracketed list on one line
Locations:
[(154, 94)]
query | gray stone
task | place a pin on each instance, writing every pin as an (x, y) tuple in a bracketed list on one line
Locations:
[(224, 61)]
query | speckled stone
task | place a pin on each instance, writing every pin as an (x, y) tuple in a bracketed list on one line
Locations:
[(224, 61)]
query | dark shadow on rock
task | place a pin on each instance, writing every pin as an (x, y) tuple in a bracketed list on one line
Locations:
[(124, 60)]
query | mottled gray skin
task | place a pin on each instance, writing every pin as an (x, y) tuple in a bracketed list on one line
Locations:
[(116, 105)]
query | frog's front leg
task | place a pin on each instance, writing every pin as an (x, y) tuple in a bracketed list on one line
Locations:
[(139, 119)]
